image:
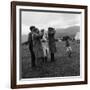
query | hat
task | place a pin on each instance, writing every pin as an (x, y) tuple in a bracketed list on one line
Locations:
[(51, 28), (32, 27)]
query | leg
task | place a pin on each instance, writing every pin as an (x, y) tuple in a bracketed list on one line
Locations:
[(32, 58), (52, 57), (69, 53), (70, 50), (45, 58)]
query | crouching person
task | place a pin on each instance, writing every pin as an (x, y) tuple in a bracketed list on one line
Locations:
[(52, 42), (68, 48), (67, 45)]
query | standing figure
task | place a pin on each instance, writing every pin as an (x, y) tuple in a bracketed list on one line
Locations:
[(30, 41), (44, 42), (52, 42), (37, 46)]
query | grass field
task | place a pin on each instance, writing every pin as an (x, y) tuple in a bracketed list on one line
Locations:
[(63, 65)]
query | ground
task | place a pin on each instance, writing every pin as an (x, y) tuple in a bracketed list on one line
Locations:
[(61, 67)]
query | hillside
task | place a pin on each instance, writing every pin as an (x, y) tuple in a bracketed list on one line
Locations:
[(71, 31)]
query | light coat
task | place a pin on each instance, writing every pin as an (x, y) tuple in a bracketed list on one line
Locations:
[(37, 46)]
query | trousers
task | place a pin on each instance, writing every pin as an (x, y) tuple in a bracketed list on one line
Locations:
[(32, 57)]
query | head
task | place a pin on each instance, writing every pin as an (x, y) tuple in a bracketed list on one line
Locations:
[(32, 28), (42, 31), (66, 38), (51, 30), (36, 30)]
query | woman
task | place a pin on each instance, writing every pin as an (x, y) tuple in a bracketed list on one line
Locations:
[(37, 46)]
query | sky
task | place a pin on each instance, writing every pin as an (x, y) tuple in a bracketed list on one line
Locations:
[(44, 20)]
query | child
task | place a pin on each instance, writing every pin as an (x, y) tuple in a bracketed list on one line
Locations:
[(68, 47), (44, 42)]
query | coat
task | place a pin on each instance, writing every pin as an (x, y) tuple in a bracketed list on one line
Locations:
[(44, 42), (52, 43), (37, 46), (30, 41)]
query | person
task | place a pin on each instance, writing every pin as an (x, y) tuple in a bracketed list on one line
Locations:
[(30, 40), (67, 45), (68, 48), (44, 42), (52, 42), (37, 46)]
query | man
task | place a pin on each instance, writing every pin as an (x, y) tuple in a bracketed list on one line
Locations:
[(51, 42), (30, 40)]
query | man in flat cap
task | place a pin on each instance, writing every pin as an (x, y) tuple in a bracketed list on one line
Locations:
[(30, 40), (52, 42)]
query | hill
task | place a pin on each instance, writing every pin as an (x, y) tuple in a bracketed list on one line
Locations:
[(71, 31)]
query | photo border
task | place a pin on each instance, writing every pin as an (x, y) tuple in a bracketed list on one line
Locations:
[(13, 44)]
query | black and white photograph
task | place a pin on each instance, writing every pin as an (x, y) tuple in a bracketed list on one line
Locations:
[(50, 44)]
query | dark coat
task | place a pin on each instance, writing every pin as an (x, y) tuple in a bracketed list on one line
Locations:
[(37, 46), (52, 42), (30, 41)]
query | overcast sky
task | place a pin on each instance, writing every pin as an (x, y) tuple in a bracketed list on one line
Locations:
[(44, 20)]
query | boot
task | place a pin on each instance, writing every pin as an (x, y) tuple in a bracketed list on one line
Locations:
[(52, 57)]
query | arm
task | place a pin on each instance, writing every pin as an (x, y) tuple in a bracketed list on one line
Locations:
[(25, 43), (56, 39), (37, 36), (29, 38)]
